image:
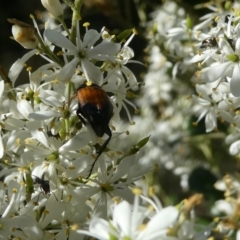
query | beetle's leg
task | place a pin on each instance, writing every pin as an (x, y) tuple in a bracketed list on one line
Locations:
[(109, 133), (39, 196)]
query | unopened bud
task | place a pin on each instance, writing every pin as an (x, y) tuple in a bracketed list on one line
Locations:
[(24, 34), (54, 7)]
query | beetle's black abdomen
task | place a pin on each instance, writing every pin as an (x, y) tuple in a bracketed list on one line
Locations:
[(95, 107), (98, 118)]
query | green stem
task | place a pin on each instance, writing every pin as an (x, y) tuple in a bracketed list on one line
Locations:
[(76, 8), (69, 3), (61, 20), (45, 49), (67, 128), (76, 17)]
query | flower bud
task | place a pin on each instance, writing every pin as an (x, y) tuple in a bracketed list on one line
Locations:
[(24, 34), (54, 7)]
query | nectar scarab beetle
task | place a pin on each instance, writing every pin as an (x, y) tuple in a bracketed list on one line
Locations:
[(94, 107)]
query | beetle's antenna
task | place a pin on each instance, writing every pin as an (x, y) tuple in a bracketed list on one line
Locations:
[(109, 133)]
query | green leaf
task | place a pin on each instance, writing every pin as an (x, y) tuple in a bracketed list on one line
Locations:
[(124, 35), (189, 23), (139, 145)]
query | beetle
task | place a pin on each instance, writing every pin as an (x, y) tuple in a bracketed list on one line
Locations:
[(94, 107), (44, 186), (209, 42)]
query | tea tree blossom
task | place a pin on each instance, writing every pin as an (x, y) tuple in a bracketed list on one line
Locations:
[(41, 136), (135, 222), (192, 76)]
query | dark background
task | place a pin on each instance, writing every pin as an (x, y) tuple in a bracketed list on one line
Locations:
[(116, 15)]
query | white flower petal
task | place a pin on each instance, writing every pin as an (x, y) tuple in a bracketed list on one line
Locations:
[(1, 90), (220, 185), (17, 67), (14, 137), (123, 168), (1, 148), (132, 80), (122, 217), (104, 48), (235, 148), (162, 220), (224, 207), (197, 58), (77, 142), (60, 40), (51, 98), (42, 115), (227, 116), (29, 226), (25, 108), (92, 72), (99, 228), (13, 124), (68, 70), (53, 6), (90, 38), (224, 46), (215, 72), (210, 120), (39, 135), (235, 81)]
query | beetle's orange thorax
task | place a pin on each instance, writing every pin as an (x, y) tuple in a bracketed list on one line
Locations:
[(93, 95)]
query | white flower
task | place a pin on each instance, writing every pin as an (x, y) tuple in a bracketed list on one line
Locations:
[(207, 108), (24, 34), (128, 222), (84, 52)]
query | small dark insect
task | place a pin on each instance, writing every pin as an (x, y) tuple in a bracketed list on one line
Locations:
[(44, 186), (227, 17), (95, 107), (210, 42), (50, 134), (231, 43)]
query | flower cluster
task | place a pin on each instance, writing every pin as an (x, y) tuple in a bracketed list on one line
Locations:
[(193, 88), (149, 221), (46, 151), (51, 136)]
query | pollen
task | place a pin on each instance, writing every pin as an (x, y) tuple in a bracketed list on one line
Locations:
[(142, 227), (135, 31), (137, 191), (116, 200), (46, 212), (151, 191), (55, 81), (17, 142), (60, 53), (71, 167), (86, 24), (194, 124), (89, 83), (74, 227)]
